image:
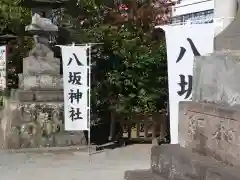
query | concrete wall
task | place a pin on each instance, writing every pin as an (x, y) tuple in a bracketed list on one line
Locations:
[(191, 6)]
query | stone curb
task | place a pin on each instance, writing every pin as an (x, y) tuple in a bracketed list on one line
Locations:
[(50, 149), (141, 175)]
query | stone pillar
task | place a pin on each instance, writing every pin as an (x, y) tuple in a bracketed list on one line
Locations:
[(227, 34), (224, 14)]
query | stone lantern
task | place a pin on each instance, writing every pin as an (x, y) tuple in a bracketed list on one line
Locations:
[(36, 107)]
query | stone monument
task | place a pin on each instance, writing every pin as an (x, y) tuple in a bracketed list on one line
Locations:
[(33, 116), (209, 126)]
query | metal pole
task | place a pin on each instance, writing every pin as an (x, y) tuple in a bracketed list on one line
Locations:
[(89, 99)]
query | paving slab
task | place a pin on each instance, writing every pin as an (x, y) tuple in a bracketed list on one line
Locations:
[(74, 165), (142, 175)]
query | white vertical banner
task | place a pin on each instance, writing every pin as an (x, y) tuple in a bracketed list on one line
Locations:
[(75, 80), (183, 43), (3, 57)]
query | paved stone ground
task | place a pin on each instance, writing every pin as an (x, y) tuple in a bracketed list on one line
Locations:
[(70, 165)]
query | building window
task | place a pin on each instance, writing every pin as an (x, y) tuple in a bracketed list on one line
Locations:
[(194, 18)]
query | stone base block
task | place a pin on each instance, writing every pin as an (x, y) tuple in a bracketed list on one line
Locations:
[(210, 129), (18, 141), (174, 162), (141, 175), (21, 95), (37, 96), (69, 139), (42, 96), (47, 82), (34, 125)]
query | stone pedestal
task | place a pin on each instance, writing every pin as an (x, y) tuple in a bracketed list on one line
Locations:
[(35, 118)]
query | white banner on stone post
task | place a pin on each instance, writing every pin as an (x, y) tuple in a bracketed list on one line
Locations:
[(75, 80), (3, 57), (183, 43)]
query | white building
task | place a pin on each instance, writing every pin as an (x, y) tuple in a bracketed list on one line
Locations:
[(193, 11)]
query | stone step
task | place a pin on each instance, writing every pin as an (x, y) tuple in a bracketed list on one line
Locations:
[(142, 175), (175, 162)]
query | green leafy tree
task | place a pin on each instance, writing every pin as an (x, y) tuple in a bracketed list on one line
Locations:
[(13, 16), (13, 19), (129, 67)]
